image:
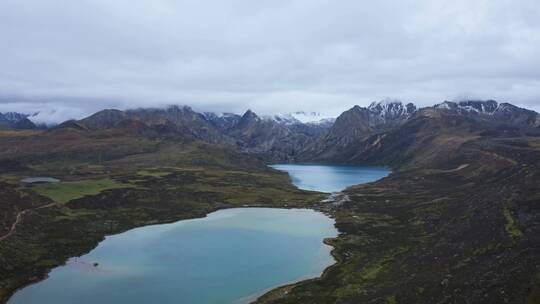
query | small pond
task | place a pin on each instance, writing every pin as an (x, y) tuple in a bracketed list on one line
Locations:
[(33, 180)]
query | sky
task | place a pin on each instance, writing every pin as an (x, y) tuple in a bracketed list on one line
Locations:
[(68, 59)]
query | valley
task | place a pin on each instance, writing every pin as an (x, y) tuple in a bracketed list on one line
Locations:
[(456, 221)]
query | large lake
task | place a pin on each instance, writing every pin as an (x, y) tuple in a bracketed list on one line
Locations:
[(329, 178), (231, 256)]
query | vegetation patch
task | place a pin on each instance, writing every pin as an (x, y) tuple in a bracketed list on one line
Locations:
[(511, 227), (374, 269), (63, 192), (153, 173), (534, 296)]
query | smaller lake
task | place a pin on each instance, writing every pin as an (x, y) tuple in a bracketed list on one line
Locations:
[(230, 256), (329, 178), (32, 180)]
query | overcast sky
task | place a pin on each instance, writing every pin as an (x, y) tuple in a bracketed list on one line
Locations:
[(76, 57)]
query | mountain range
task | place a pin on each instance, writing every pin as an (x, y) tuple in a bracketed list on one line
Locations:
[(358, 135)]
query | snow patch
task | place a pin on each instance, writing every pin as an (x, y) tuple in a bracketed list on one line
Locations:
[(301, 117), (391, 108)]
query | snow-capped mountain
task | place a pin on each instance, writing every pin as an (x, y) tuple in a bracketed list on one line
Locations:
[(358, 123), (13, 116), (222, 121), (301, 135), (301, 117), (391, 109), (16, 120), (312, 117), (470, 106), (228, 120), (502, 113)]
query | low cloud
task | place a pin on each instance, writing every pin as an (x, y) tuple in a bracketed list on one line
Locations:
[(67, 59)]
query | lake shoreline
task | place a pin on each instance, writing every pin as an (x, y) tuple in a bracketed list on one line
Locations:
[(318, 208), (283, 289), (207, 215)]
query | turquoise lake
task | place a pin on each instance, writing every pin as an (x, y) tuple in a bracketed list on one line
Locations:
[(230, 256), (329, 178)]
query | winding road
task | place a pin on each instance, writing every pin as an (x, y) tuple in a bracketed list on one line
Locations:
[(19, 217)]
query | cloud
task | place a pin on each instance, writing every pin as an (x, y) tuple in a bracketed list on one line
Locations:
[(73, 57)]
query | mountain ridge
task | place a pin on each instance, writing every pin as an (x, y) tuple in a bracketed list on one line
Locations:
[(351, 138)]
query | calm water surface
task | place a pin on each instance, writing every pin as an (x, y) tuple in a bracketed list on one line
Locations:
[(231, 256), (31, 180), (328, 178)]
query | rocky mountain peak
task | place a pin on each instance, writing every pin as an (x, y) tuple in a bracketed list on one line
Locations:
[(179, 109), (249, 116), (13, 116), (103, 119), (312, 117), (247, 120), (488, 106), (391, 109), (249, 113), (16, 120), (286, 119), (222, 121), (490, 110), (470, 106)]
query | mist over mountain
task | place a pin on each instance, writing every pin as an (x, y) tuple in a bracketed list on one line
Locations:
[(388, 132), (16, 120), (352, 137)]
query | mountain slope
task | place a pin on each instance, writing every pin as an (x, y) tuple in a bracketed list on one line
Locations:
[(354, 126), (399, 135), (271, 138), (174, 120), (16, 121), (500, 113), (356, 136)]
